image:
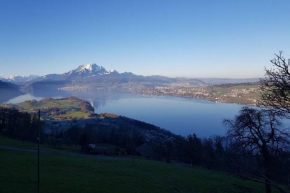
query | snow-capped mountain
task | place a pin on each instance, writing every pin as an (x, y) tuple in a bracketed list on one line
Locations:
[(19, 78), (92, 69), (87, 71), (82, 73)]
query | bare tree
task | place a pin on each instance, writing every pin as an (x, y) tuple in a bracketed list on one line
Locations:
[(276, 86), (260, 133)]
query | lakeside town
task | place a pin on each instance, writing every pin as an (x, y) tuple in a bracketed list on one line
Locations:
[(245, 94)]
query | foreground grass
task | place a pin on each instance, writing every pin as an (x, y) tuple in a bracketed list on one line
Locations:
[(7, 141), (60, 174)]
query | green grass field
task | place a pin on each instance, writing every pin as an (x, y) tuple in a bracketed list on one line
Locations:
[(6, 141), (76, 115), (60, 174)]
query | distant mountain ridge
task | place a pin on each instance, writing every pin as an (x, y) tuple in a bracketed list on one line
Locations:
[(19, 78), (216, 81), (91, 77)]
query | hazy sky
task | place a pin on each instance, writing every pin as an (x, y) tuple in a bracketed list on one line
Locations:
[(218, 38)]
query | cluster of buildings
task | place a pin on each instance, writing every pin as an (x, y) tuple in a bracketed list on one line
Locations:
[(227, 95)]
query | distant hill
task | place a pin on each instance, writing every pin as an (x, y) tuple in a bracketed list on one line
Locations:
[(214, 81), (66, 108), (8, 91)]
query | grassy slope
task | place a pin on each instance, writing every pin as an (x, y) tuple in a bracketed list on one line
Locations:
[(60, 174), (76, 115), (9, 142), (6, 141)]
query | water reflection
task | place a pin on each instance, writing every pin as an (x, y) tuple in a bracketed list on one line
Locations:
[(23, 98)]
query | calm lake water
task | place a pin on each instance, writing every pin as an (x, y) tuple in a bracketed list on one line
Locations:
[(179, 115)]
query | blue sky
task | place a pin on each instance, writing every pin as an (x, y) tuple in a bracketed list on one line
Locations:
[(189, 38)]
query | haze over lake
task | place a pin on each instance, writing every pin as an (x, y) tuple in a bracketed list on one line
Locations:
[(179, 115)]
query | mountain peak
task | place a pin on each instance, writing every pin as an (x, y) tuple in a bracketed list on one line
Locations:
[(91, 68)]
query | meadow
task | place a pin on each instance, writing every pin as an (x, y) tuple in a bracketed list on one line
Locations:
[(60, 174)]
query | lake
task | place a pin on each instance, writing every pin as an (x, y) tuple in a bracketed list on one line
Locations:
[(181, 116)]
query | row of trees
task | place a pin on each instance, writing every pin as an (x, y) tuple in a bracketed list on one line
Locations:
[(122, 137), (20, 125)]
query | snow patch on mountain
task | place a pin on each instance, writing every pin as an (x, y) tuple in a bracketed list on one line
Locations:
[(90, 69)]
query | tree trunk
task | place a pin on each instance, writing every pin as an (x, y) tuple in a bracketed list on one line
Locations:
[(267, 167), (268, 185), (268, 176)]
